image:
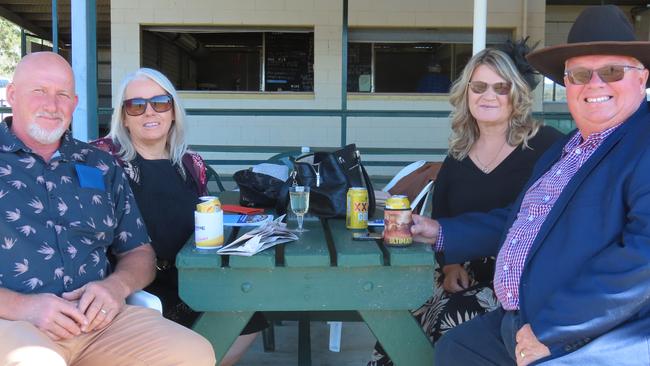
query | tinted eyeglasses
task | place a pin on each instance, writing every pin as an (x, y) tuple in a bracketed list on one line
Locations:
[(607, 73), (137, 106), (480, 87)]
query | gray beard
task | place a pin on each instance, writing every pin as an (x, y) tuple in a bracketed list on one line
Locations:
[(44, 136)]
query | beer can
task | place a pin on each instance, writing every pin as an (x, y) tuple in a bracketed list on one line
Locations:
[(398, 221), (208, 204), (208, 229), (357, 208)]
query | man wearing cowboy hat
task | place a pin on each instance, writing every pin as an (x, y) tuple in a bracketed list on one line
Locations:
[(573, 251)]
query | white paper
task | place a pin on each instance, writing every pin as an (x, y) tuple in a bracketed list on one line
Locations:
[(270, 234)]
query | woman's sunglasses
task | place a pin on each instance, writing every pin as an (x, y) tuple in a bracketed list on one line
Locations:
[(480, 87), (137, 106), (607, 73)]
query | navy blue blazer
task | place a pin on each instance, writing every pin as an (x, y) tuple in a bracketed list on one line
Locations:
[(588, 271)]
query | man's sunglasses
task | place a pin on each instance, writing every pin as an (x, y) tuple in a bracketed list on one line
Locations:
[(137, 106), (607, 73), (480, 87)]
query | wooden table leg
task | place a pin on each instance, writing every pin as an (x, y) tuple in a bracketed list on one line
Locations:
[(401, 336), (222, 328), (304, 340)]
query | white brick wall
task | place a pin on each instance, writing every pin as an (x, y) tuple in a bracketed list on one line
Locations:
[(325, 17)]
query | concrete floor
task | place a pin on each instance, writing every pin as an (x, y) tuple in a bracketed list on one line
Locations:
[(356, 346)]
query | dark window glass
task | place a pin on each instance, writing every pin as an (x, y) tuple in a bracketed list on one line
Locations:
[(232, 61), (289, 62), (405, 67), (359, 67)]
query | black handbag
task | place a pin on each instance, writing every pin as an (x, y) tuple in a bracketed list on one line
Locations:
[(329, 176), (256, 189)]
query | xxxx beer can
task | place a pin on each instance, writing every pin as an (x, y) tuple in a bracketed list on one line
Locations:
[(357, 208), (398, 221)]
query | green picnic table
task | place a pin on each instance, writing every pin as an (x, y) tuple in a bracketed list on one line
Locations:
[(324, 271)]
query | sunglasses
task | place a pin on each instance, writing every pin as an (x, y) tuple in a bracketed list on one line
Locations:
[(137, 106), (607, 73), (480, 87)]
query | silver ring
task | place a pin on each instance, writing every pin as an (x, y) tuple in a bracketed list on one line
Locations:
[(103, 311)]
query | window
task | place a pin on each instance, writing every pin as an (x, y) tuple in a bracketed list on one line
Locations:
[(553, 92), (3, 92), (409, 60), (231, 60)]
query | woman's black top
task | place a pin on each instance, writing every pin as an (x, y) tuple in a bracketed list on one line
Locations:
[(462, 187), (167, 203)]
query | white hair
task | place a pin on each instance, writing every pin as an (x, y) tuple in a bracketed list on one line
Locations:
[(44, 136), (176, 145)]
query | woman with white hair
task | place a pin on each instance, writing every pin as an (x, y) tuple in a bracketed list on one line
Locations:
[(147, 137)]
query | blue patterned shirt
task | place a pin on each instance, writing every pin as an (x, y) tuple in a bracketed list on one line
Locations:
[(58, 218)]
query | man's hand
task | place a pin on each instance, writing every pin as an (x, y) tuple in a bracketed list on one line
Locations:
[(456, 278), (528, 348), (100, 301), (54, 316), (424, 229)]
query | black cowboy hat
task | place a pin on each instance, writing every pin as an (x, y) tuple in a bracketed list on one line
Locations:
[(598, 30)]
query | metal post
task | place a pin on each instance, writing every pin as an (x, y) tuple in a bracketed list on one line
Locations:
[(23, 42), (344, 75), (480, 26), (84, 63), (55, 28)]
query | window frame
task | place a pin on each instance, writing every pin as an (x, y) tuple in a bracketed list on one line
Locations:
[(262, 70), (451, 36)]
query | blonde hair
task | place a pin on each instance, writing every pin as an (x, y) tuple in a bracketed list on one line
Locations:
[(176, 145), (521, 126)]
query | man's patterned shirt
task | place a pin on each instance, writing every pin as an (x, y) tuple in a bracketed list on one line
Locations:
[(59, 218)]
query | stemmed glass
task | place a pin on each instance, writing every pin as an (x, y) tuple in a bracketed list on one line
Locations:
[(299, 198)]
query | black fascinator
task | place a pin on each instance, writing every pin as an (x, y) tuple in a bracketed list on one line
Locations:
[(517, 50)]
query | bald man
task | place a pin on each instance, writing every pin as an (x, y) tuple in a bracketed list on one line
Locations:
[(64, 205)]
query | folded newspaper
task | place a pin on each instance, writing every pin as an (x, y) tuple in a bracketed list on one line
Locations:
[(270, 234)]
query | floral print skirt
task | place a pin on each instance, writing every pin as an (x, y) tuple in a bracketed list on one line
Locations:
[(445, 310)]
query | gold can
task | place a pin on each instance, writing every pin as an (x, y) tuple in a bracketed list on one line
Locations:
[(357, 208), (208, 204), (398, 221), (398, 202)]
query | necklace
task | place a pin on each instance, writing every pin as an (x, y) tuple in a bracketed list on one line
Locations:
[(485, 168)]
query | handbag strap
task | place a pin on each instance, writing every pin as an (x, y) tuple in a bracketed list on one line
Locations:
[(283, 195), (371, 192)]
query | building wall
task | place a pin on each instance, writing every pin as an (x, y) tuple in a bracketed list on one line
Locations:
[(325, 16), (560, 18)]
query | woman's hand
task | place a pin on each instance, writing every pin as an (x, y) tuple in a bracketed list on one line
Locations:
[(456, 278)]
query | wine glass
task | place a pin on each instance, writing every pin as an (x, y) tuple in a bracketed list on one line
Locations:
[(299, 198)]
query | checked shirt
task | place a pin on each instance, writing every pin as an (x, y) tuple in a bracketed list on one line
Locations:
[(535, 207)]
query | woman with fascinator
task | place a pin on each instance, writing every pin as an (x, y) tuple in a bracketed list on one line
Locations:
[(494, 145)]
